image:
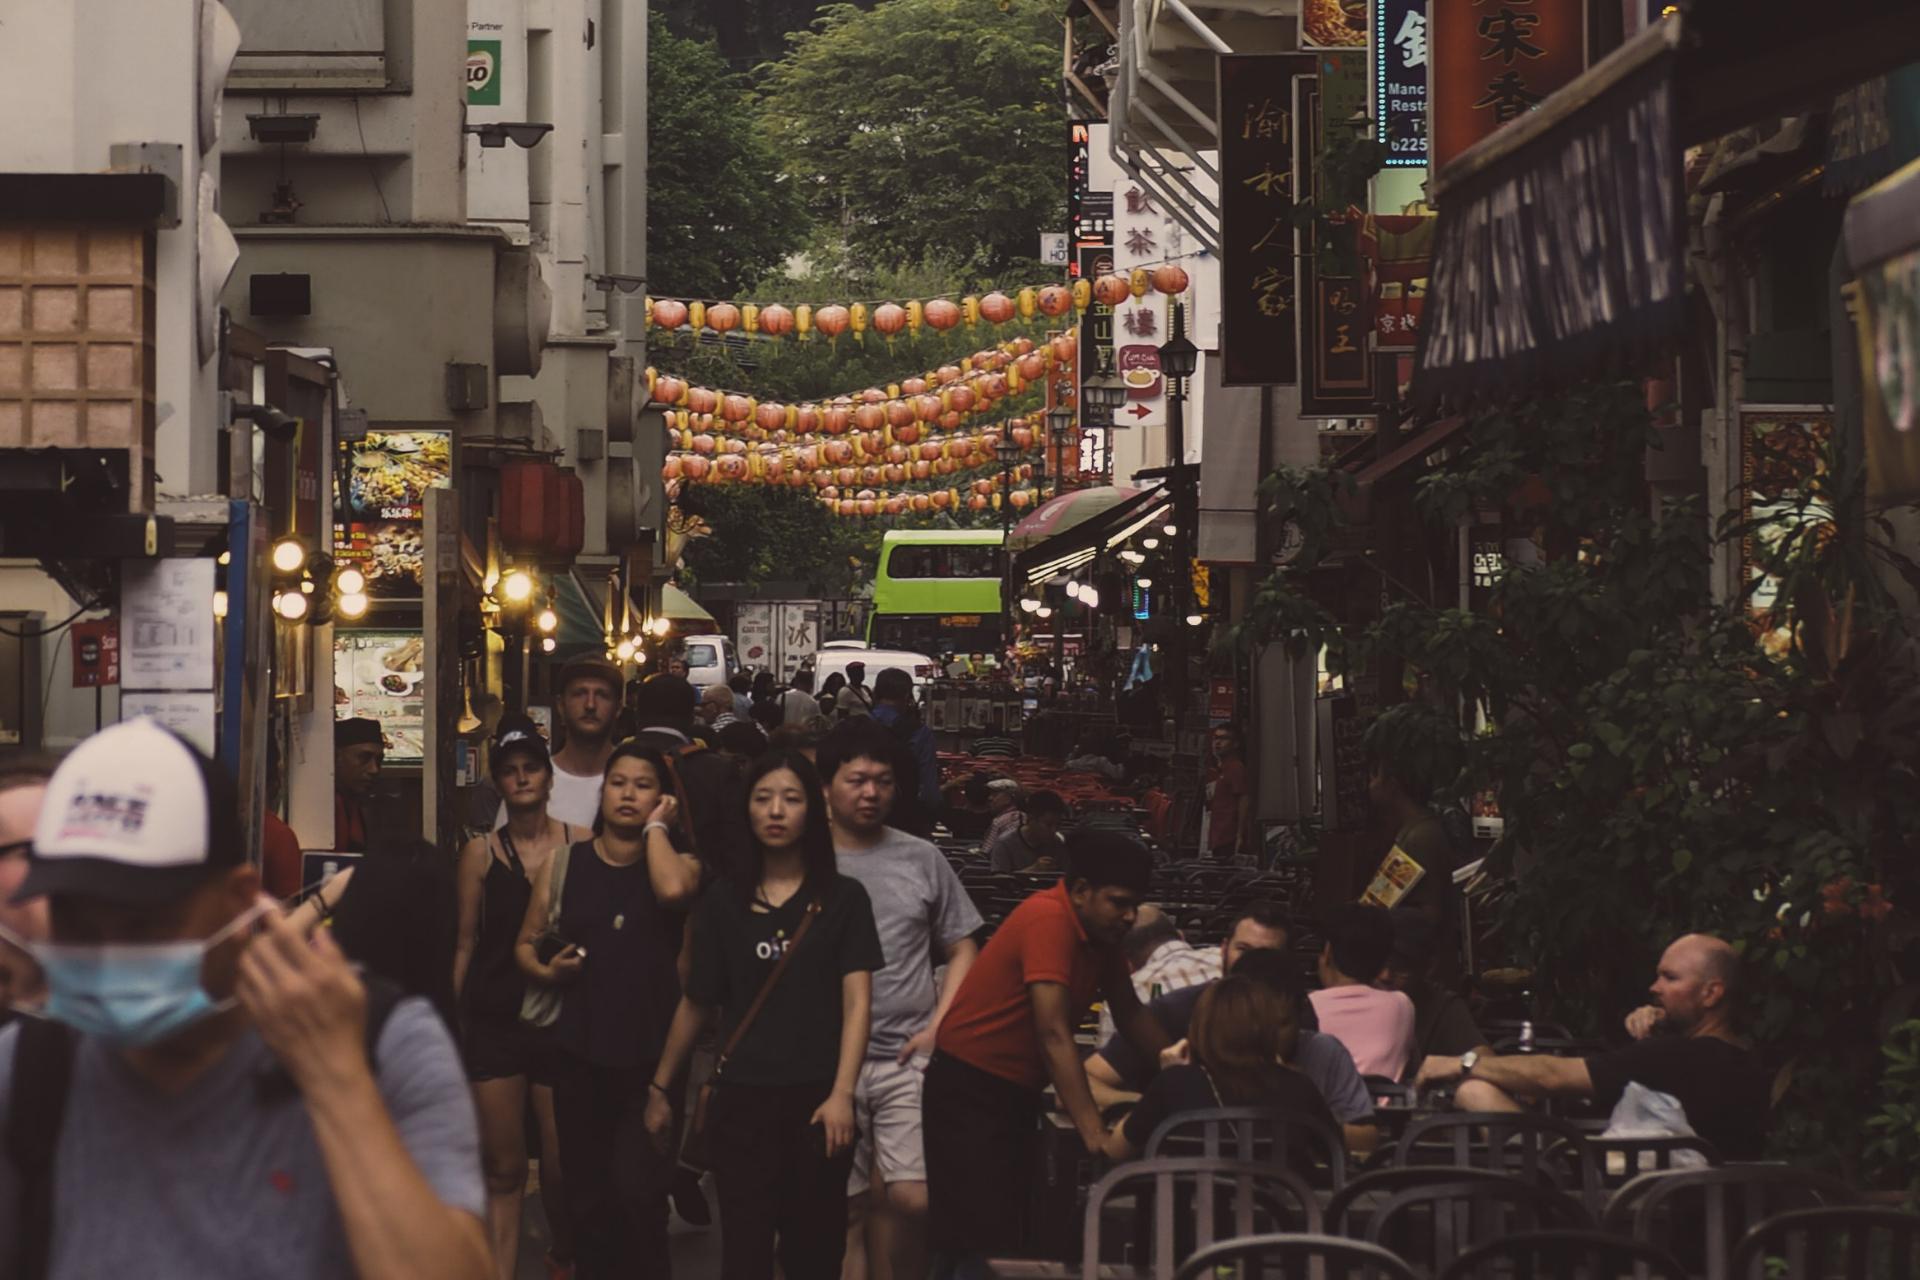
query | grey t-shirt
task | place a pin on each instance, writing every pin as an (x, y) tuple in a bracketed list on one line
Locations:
[(917, 899), (226, 1179)]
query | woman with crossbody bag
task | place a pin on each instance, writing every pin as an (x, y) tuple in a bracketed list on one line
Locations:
[(785, 954), (611, 951)]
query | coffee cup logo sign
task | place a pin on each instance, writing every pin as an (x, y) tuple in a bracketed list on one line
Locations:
[(1139, 367)]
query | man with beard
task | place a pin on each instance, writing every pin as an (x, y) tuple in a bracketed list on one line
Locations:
[(590, 694), (1685, 1048)]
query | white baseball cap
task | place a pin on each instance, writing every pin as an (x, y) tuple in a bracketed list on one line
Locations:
[(134, 814)]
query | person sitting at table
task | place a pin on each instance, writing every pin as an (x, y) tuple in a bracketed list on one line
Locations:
[(1003, 802), (1035, 844), (1443, 1025), (1375, 1025), (1256, 947), (1237, 1054), (967, 808), (1687, 1052)]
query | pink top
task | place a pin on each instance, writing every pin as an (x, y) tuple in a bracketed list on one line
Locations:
[(1376, 1026)]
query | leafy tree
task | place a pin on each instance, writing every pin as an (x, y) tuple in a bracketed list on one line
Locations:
[(926, 128), (719, 212), (747, 32)]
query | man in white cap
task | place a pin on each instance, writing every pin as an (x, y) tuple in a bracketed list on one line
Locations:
[(208, 1092)]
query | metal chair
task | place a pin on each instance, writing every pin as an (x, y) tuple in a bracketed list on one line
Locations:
[(1515, 1143), (1432, 1224), (1564, 1255), (1322, 1257), (1352, 1207), (1811, 1241), (1191, 1203), (1386, 1091), (1699, 1214), (1311, 1144), (1620, 1160)]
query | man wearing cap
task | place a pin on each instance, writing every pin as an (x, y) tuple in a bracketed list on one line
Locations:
[(358, 750), (213, 1094)]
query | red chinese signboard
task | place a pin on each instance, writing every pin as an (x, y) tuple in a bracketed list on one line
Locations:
[(96, 653), (1491, 61)]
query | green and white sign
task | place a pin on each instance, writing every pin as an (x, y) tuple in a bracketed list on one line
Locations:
[(483, 73)]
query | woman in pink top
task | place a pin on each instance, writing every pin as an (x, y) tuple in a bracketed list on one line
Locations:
[(1376, 1026)]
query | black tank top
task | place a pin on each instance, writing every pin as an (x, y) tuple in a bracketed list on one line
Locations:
[(495, 984), (617, 1012)]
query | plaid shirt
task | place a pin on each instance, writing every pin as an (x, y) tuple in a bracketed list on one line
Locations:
[(1175, 965)]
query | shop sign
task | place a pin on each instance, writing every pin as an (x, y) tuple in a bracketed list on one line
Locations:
[(483, 73), (380, 485), (378, 675), (1089, 211), (1220, 700), (1259, 335), (1782, 449), (1400, 80), (1333, 24), (1342, 733), (1492, 61), (96, 653), (1398, 250), (1563, 253), (1336, 368), (1888, 325), (1143, 236)]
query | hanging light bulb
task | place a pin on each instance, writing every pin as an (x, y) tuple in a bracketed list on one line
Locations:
[(352, 605), (640, 657), (291, 605), (1044, 611), (624, 651), (219, 604), (1073, 589), (517, 586), (662, 625), (1194, 619), (1030, 604), (1170, 529), (1150, 543), (1143, 582), (349, 581), (548, 620), (1090, 597), (289, 555), (547, 644)]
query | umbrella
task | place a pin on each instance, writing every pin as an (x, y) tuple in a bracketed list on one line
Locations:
[(1057, 515)]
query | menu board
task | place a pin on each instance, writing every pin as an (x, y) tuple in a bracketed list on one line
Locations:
[(380, 483), (378, 675)]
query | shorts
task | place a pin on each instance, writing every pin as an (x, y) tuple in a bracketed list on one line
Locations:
[(500, 1046), (886, 1116)]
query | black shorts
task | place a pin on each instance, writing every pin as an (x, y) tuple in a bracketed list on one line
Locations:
[(982, 1137), (500, 1046)]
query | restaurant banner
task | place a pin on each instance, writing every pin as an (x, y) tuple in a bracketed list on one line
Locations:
[(1491, 61), (1400, 80), (1258, 331), (380, 486), (1564, 256), (1398, 251), (1336, 369)]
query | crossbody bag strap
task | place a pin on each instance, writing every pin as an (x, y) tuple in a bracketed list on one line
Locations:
[(556, 883), (686, 809), (766, 988)]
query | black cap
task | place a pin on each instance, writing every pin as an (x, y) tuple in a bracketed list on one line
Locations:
[(519, 733), (358, 731)]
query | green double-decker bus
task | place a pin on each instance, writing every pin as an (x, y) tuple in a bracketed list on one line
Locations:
[(938, 591)]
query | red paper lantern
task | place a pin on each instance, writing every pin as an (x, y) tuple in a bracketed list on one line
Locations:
[(701, 400), (942, 313), (775, 320), (770, 416), (997, 307), (1054, 300), (723, 317), (669, 313), (1170, 279), (832, 320), (889, 318), (1112, 290)]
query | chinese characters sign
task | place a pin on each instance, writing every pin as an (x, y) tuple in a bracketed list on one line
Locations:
[(1400, 80), (1089, 211), (1258, 327), (1336, 374), (1143, 236), (1492, 61)]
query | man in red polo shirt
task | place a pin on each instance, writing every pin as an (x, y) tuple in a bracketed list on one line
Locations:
[(1009, 1033)]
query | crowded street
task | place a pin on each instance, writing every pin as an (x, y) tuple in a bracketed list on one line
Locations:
[(960, 639)]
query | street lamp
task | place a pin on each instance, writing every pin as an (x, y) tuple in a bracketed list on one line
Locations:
[(1104, 394), (1178, 360), (1059, 423)]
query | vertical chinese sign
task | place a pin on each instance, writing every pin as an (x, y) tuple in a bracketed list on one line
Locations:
[(1258, 332), (1143, 237), (1336, 374), (1492, 61), (1400, 80), (1081, 457)]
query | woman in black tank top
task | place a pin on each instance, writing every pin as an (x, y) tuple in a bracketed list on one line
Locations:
[(504, 1055)]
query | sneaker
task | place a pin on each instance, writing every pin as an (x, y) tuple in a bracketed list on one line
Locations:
[(689, 1201)]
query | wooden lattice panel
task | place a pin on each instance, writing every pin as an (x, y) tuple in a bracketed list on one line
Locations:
[(76, 342)]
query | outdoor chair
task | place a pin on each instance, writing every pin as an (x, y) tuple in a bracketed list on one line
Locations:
[(1856, 1243), (1564, 1255), (1352, 1207), (1180, 1205), (1432, 1224), (1698, 1215), (1295, 1256), (1310, 1145), (1515, 1143), (1620, 1160)]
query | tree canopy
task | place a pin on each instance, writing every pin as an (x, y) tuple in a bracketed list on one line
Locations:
[(926, 129), (719, 213)]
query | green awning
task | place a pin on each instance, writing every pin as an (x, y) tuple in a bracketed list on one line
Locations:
[(582, 623), (678, 606)]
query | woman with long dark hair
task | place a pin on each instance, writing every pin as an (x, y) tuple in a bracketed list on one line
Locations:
[(614, 947), (508, 1060), (829, 695), (780, 1124)]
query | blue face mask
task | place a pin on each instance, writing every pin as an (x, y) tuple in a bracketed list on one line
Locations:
[(130, 994)]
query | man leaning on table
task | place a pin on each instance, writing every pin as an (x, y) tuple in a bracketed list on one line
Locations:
[(1686, 1055)]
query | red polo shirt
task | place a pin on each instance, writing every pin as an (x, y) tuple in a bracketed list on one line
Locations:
[(990, 1025)]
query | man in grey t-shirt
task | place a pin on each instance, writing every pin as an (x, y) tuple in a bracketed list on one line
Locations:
[(918, 903), (221, 1117)]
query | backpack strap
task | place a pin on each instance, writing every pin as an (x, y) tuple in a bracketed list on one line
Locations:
[(42, 1078), (382, 998)]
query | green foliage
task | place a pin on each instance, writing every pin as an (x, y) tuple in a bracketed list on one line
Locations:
[(926, 128), (1894, 1151), (1658, 771), (747, 32), (719, 213)]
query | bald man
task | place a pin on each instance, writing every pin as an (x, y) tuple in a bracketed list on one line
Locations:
[(1685, 1046)]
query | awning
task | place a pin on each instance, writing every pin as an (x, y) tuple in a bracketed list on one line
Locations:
[(1561, 245), (1883, 250), (1066, 511), (1070, 549), (677, 606), (1410, 450), (582, 621)]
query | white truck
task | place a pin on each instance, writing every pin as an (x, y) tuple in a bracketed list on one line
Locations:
[(776, 635)]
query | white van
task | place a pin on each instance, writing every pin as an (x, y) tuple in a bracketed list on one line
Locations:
[(709, 659), (923, 669)]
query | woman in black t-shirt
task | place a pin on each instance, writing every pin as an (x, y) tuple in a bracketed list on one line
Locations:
[(621, 923), (780, 1132), (1242, 1034)]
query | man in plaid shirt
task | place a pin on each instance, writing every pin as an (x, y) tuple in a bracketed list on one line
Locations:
[(1162, 960)]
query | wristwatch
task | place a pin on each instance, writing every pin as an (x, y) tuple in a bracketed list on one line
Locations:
[(1467, 1061)]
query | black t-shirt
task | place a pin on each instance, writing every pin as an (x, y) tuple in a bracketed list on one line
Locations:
[(1189, 1088), (796, 1037), (1724, 1089), (617, 1012), (1442, 1024)]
